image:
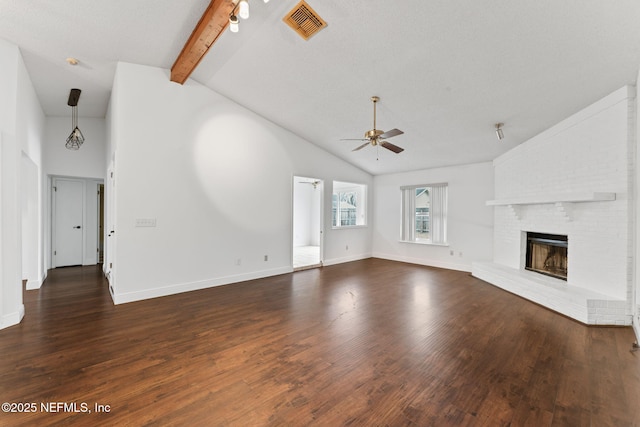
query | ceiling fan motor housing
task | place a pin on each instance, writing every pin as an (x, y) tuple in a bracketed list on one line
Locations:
[(373, 133)]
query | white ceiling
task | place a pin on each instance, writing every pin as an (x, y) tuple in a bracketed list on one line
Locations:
[(446, 71)]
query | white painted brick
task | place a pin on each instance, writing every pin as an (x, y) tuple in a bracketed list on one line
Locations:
[(590, 152)]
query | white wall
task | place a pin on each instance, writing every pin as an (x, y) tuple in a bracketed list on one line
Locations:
[(470, 221), (21, 127), (29, 190), (216, 178), (87, 162), (9, 55), (29, 132), (587, 152)]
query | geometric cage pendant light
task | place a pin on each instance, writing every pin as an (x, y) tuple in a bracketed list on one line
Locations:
[(75, 138)]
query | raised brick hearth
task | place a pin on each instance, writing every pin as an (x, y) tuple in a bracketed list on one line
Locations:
[(573, 180)]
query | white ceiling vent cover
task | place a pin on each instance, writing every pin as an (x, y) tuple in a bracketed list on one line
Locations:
[(304, 20)]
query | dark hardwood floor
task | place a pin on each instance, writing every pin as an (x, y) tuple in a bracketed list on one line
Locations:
[(368, 343)]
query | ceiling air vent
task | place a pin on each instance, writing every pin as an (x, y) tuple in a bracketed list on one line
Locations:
[(304, 20)]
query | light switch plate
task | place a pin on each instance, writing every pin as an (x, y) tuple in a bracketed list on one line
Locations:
[(145, 222)]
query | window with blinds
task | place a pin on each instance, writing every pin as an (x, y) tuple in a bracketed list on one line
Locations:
[(424, 213)]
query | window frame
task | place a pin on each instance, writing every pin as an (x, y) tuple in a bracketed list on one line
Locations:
[(437, 214), (359, 192)]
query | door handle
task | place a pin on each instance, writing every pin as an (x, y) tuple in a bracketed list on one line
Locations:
[(77, 226)]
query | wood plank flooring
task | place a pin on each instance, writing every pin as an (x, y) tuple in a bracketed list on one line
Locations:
[(367, 343)]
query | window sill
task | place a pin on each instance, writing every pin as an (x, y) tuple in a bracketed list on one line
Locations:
[(424, 243), (348, 227)]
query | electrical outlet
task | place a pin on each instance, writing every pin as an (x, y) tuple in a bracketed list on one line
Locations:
[(346, 248), (266, 257), (238, 261), (460, 254), (451, 252)]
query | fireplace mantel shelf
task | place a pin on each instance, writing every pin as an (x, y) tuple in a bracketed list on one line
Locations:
[(555, 198), (563, 202)]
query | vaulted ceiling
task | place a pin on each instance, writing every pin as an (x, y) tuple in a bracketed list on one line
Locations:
[(445, 71)]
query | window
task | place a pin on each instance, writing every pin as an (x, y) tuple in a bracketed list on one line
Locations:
[(349, 206), (424, 213)]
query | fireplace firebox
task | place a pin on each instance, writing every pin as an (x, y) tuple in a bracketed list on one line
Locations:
[(547, 254)]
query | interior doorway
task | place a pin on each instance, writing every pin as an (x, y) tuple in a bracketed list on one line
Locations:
[(100, 223), (68, 202), (77, 217), (307, 222)]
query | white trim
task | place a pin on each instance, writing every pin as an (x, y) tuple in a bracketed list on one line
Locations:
[(362, 202), (33, 284), (425, 262), (413, 187), (347, 227), (342, 260), (12, 318), (194, 286), (582, 197), (438, 212), (424, 242), (321, 214)]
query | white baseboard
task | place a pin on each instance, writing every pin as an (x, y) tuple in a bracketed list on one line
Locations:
[(424, 261), (33, 284), (334, 261), (121, 298), (12, 318)]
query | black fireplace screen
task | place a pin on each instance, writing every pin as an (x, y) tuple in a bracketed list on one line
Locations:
[(547, 254)]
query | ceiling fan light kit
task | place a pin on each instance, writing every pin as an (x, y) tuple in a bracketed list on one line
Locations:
[(242, 7), (233, 23), (376, 137)]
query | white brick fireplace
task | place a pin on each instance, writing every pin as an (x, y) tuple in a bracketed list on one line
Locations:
[(573, 179)]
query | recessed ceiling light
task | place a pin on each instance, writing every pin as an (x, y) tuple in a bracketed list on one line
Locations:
[(72, 61)]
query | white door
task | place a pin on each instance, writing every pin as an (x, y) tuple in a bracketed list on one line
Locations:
[(69, 202)]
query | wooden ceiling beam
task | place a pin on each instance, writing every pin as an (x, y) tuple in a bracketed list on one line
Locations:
[(213, 23)]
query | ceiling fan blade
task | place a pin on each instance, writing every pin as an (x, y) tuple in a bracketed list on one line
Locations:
[(354, 139), (390, 146), (361, 147), (390, 133)]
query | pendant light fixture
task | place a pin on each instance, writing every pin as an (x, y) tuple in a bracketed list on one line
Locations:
[(75, 138)]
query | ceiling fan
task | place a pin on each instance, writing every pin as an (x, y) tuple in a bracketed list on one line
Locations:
[(314, 183), (375, 136)]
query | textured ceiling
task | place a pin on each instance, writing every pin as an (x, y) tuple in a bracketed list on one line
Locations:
[(446, 71)]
